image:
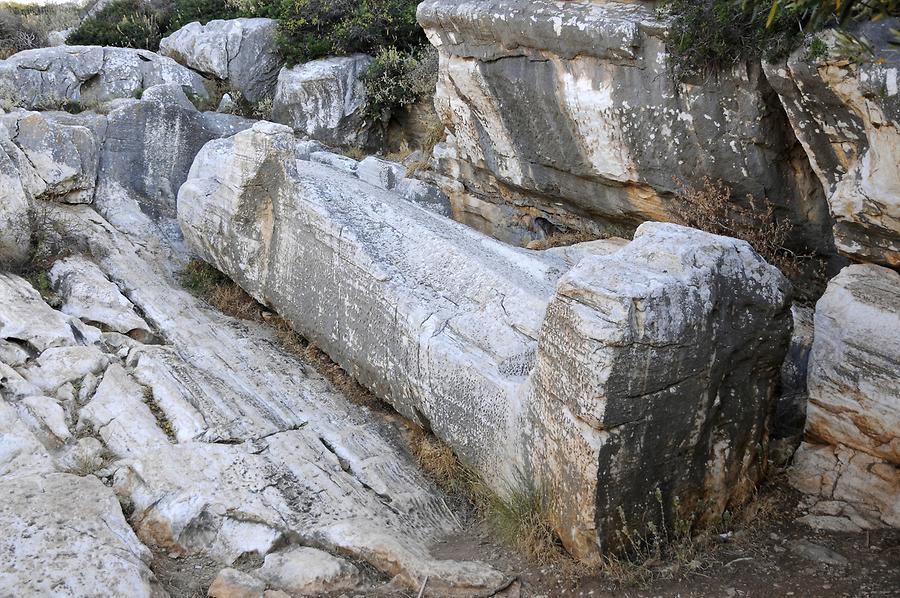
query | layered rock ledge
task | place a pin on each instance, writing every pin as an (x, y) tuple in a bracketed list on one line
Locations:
[(601, 373), (565, 115), (850, 459)]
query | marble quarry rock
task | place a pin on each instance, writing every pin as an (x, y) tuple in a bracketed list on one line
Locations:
[(223, 446), (87, 76), (580, 376), (242, 53), (851, 452), (324, 99), (61, 160), (847, 116), (564, 115)]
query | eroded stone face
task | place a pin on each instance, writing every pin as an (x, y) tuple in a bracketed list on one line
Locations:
[(243, 53), (852, 448), (58, 528), (566, 114), (61, 158), (594, 381), (86, 76), (847, 116), (324, 99)]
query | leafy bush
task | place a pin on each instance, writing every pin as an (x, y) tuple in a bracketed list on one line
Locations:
[(188, 11), (397, 79), (124, 23), (26, 28), (311, 29), (709, 36)]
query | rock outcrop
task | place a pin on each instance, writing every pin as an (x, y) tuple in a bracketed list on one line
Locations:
[(242, 53), (324, 99), (75, 77), (285, 461), (601, 134), (57, 528), (851, 455), (15, 220), (847, 116), (61, 159), (629, 363)]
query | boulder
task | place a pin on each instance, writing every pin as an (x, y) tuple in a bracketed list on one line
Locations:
[(594, 383), (602, 134), (76, 77), (307, 572), (58, 528), (852, 449), (847, 116), (147, 149), (324, 99), (242, 53), (15, 219), (60, 159), (87, 294)]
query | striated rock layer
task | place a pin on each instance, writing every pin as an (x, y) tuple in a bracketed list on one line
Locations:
[(599, 383), (847, 116), (566, 115), (851, 454)]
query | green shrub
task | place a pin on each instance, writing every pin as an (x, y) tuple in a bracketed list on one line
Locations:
[(125, 24), (311, 29), (397, 79), (188, 11), (709, 36), (26, 27)]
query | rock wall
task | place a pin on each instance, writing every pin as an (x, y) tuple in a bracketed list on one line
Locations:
[(847, 116), (851, 455), (635, 361), (565, 115)]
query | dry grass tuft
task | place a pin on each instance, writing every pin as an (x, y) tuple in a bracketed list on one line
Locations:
[(521, 517), (710, 207), (565, 239)]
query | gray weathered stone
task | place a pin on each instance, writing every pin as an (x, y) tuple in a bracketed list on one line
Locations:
[(485, 340), (86, 76), (852, 447), (324, 99), (15, 221), (65, 535), (307, 572), (567, 114), (88, 295), (284, 458), (847, 116), (243, 53), (61, 159)]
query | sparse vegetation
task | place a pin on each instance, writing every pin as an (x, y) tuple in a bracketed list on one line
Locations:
[(710, 36), (710, 207), (26, 28), (51, 240), (397, 79), (124, 23)]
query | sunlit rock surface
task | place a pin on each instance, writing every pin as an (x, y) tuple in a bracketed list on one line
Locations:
[(847, 116), (241, 53), (596, 380), (852, 450), (566, 115)]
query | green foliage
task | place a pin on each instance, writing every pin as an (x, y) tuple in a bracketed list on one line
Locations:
[(709, 36), (311, 29), (26, 27), (125, 24), (397, 79), (188, 11), (200, 278)]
